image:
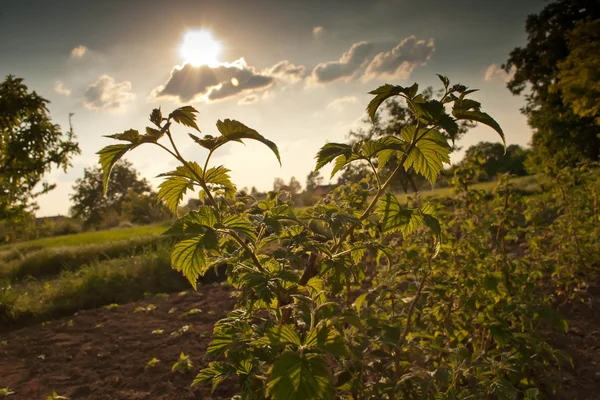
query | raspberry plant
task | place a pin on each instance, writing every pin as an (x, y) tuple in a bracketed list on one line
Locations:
[(359, 296)]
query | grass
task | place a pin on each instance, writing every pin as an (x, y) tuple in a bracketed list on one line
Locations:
[(83, 238), (95, 285), (524, 183), (51, 261)]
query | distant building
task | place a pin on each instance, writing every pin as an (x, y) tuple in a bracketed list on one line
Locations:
[(322, 190)]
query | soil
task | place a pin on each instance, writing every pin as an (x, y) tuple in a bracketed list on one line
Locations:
[(102, 353)]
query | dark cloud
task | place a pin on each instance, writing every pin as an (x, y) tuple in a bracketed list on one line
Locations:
[(346, 67), (399, 62), (189, 82), (287, 71), (107, 94)]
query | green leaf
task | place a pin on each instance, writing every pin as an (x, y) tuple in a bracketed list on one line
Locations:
[(479, 116), (235, 131), (130, 135), (216, 372), (331, 151), (191, 171), (444, 80), (156, 116), (531, 394), (503, 390), (382, 93), (171, 191), (299, 377), (240, 225), (341, 162), (431, 110), (283, 334), (429, 152), (109, 156), (189, 257), (194, 222), (397, 218), (360, 300), (434, 225), (186, 116), (219, 176), (152, 135), (208, 142)]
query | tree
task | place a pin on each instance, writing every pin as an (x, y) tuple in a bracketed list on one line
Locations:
[(579, 74), (495, 161), (92, 205), (560, 134), (313, 180), (294, 187), (30, 147)]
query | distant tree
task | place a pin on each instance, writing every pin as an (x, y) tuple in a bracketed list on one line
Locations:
[(90, 204), (294, 187), (313, 180), (494, 161), (561, 135), (30, 146), (579, 74)]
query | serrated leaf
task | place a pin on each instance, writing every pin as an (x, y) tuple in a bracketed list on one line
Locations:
[(299, 377), (444, 80), (208, 142), (382, 93), (330, 152), (219, 176), (341, 162), (156, 116), (172, 190), (192, 171), (434, 225), (429, 152), (503, 390), (395, 218), (235, 130), (130, 135), (240, 225), (189, 257), (282, 334), (194, 222), (152, 135), (215, 373), (430, 110), (186, 116), (481, 117), (108, 157)]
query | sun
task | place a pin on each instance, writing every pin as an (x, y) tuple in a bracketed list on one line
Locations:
[(200, 48)]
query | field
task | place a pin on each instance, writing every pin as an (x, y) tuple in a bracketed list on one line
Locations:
[(88, 313)]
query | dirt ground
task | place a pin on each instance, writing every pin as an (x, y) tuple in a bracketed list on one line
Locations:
[(102, 353)]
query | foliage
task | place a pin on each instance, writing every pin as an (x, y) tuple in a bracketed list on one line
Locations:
[(495, 159), (561, 136), (183, 365), (129, 197), (579, 74), (361, 296), (30, 146)]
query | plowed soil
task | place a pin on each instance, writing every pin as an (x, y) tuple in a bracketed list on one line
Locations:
[(102, 353)]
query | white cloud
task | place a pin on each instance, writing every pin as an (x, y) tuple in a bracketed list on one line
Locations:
[(79, 51), (287, 71), (251, 99), (345, 68), (494, 72), (60, 88), (318, 32), (108, 94), (341, 103), (399, 62)]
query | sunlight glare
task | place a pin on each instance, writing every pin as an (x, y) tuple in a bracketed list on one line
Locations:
[(200, 48)]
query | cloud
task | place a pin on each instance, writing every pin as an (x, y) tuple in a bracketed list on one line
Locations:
[(399, 62), (212, 83), (350, 62), (287, 71), (494, 72), (60, 88), (340, 104), (79, 51), (318, 32), (107, 94), (251, 99)]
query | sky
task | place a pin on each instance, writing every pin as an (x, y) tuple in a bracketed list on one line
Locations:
[(297, 72)]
